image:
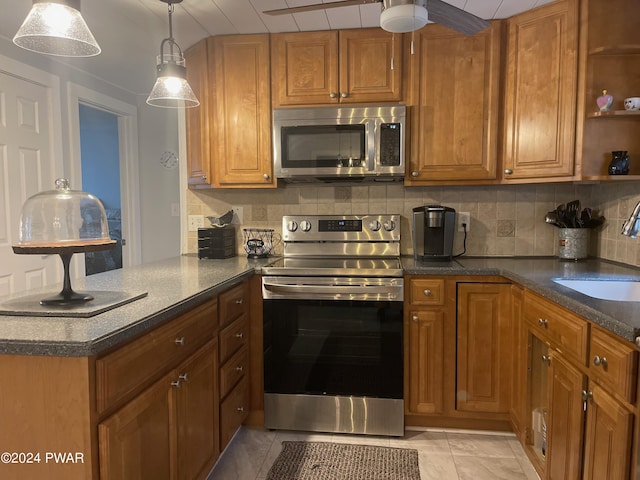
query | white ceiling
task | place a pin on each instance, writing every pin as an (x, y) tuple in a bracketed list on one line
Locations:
[(130, 31)]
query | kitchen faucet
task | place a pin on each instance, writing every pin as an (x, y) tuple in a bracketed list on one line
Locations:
[(632, 225)]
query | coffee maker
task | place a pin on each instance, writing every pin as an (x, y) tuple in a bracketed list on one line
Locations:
[(433, 229)]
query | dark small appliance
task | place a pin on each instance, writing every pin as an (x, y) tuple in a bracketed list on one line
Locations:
[(433, 229), (217, 242)]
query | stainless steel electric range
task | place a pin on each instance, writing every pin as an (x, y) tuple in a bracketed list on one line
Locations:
[(333, 353)]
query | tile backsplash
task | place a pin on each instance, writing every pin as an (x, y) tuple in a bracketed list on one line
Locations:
[(506, 220)]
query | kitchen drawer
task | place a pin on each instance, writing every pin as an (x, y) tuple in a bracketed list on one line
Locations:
[(128, 368), (233, 411), (233, 371), (233, 337), (613, 362), (233, 302), (565, 331), (427, 291)]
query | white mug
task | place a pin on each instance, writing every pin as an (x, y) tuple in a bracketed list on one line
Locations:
[(632, 103)]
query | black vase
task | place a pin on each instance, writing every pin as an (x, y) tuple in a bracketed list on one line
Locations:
[(619, 163)]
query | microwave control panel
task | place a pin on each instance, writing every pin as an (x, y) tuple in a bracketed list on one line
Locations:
[(390, 144)]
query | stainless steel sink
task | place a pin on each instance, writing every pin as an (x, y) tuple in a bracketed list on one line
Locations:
[(605, 289)]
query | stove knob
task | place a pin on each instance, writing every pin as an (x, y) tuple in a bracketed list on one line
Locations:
[(389, 225), (305, 225), (292, 226), (374, 225)]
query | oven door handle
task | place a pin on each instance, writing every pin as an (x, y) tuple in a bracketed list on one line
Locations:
[(346, 292)]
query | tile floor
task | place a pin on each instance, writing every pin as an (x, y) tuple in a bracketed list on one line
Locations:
[(443, 454)]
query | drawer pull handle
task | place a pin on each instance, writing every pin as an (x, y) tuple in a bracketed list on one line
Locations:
[(600, 361), (176, 383), (239, 368), (415, 318), (180, 341), (239, 335), (239, 301), (184, 377), (427, 292), (240, 409), (546, 359), (543, 322)]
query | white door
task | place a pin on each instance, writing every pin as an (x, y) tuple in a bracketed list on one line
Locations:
[(26, 168)]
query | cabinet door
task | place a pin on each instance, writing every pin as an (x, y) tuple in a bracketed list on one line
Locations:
[(540, 92), (305, 68), (137, 441), (565, 420), (242, 139), (518, 362), (197, 413), (608, 442), (455, 81), (484, 347), (426, 361), (197, 119), (370, 66)]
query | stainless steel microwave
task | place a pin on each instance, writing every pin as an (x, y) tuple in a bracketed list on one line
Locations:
[(330, 144)]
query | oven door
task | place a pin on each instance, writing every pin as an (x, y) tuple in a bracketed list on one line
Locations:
[(333, 353)]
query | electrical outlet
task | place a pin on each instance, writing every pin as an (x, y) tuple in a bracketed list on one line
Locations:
[(463, 217), (195, 222), (238, 213)]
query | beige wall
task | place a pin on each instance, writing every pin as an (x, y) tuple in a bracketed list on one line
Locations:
[(505, 220)]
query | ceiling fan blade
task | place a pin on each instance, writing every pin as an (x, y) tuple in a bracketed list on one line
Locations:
[(318, 6), (454, 18)]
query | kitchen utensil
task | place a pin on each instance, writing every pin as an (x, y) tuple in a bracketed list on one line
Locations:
[(552, 218)]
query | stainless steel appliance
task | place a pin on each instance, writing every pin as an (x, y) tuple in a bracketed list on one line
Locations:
[(433, 231), (329, 144), (333, 328)]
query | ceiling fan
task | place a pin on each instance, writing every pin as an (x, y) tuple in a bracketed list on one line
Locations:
[(406, 15)]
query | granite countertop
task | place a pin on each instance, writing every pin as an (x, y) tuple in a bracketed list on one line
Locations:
[(172, 286), (175, 285), (537, 274)]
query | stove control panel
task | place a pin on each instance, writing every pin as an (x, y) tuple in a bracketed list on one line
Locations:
[(345, 228)]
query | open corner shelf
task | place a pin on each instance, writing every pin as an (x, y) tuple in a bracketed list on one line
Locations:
[(614, 113)]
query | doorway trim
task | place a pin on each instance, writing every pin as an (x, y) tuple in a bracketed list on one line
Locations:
[(129, 169)]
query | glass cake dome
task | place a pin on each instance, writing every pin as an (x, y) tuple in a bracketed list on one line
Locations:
[(63, 217)]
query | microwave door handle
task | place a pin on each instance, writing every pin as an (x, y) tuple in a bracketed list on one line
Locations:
[(372, 140)]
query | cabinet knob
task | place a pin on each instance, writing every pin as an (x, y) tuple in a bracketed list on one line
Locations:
[(184, 377), (600, 361), (508, 171), (414, 173), (546, 359), (333, 94), (587, 395), (180, 341), (239, 335), (239, 301), (240, 409), (427, 292), (415, 318), (204, 178), (344, 94), (239, 368), (176, 384), (543, 322), (266, 176)]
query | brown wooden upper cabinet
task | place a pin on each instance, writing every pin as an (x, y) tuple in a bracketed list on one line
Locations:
[(540, 92), (229, 135), (329, 67), (454, 91)]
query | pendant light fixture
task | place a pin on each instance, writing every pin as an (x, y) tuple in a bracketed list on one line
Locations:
[(56, 27), (171, 89)]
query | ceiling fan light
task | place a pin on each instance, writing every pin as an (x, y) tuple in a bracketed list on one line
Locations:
[(171, 89), (56, 28), (403, 18)]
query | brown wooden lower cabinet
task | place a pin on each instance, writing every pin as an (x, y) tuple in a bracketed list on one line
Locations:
[(169, 430)]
